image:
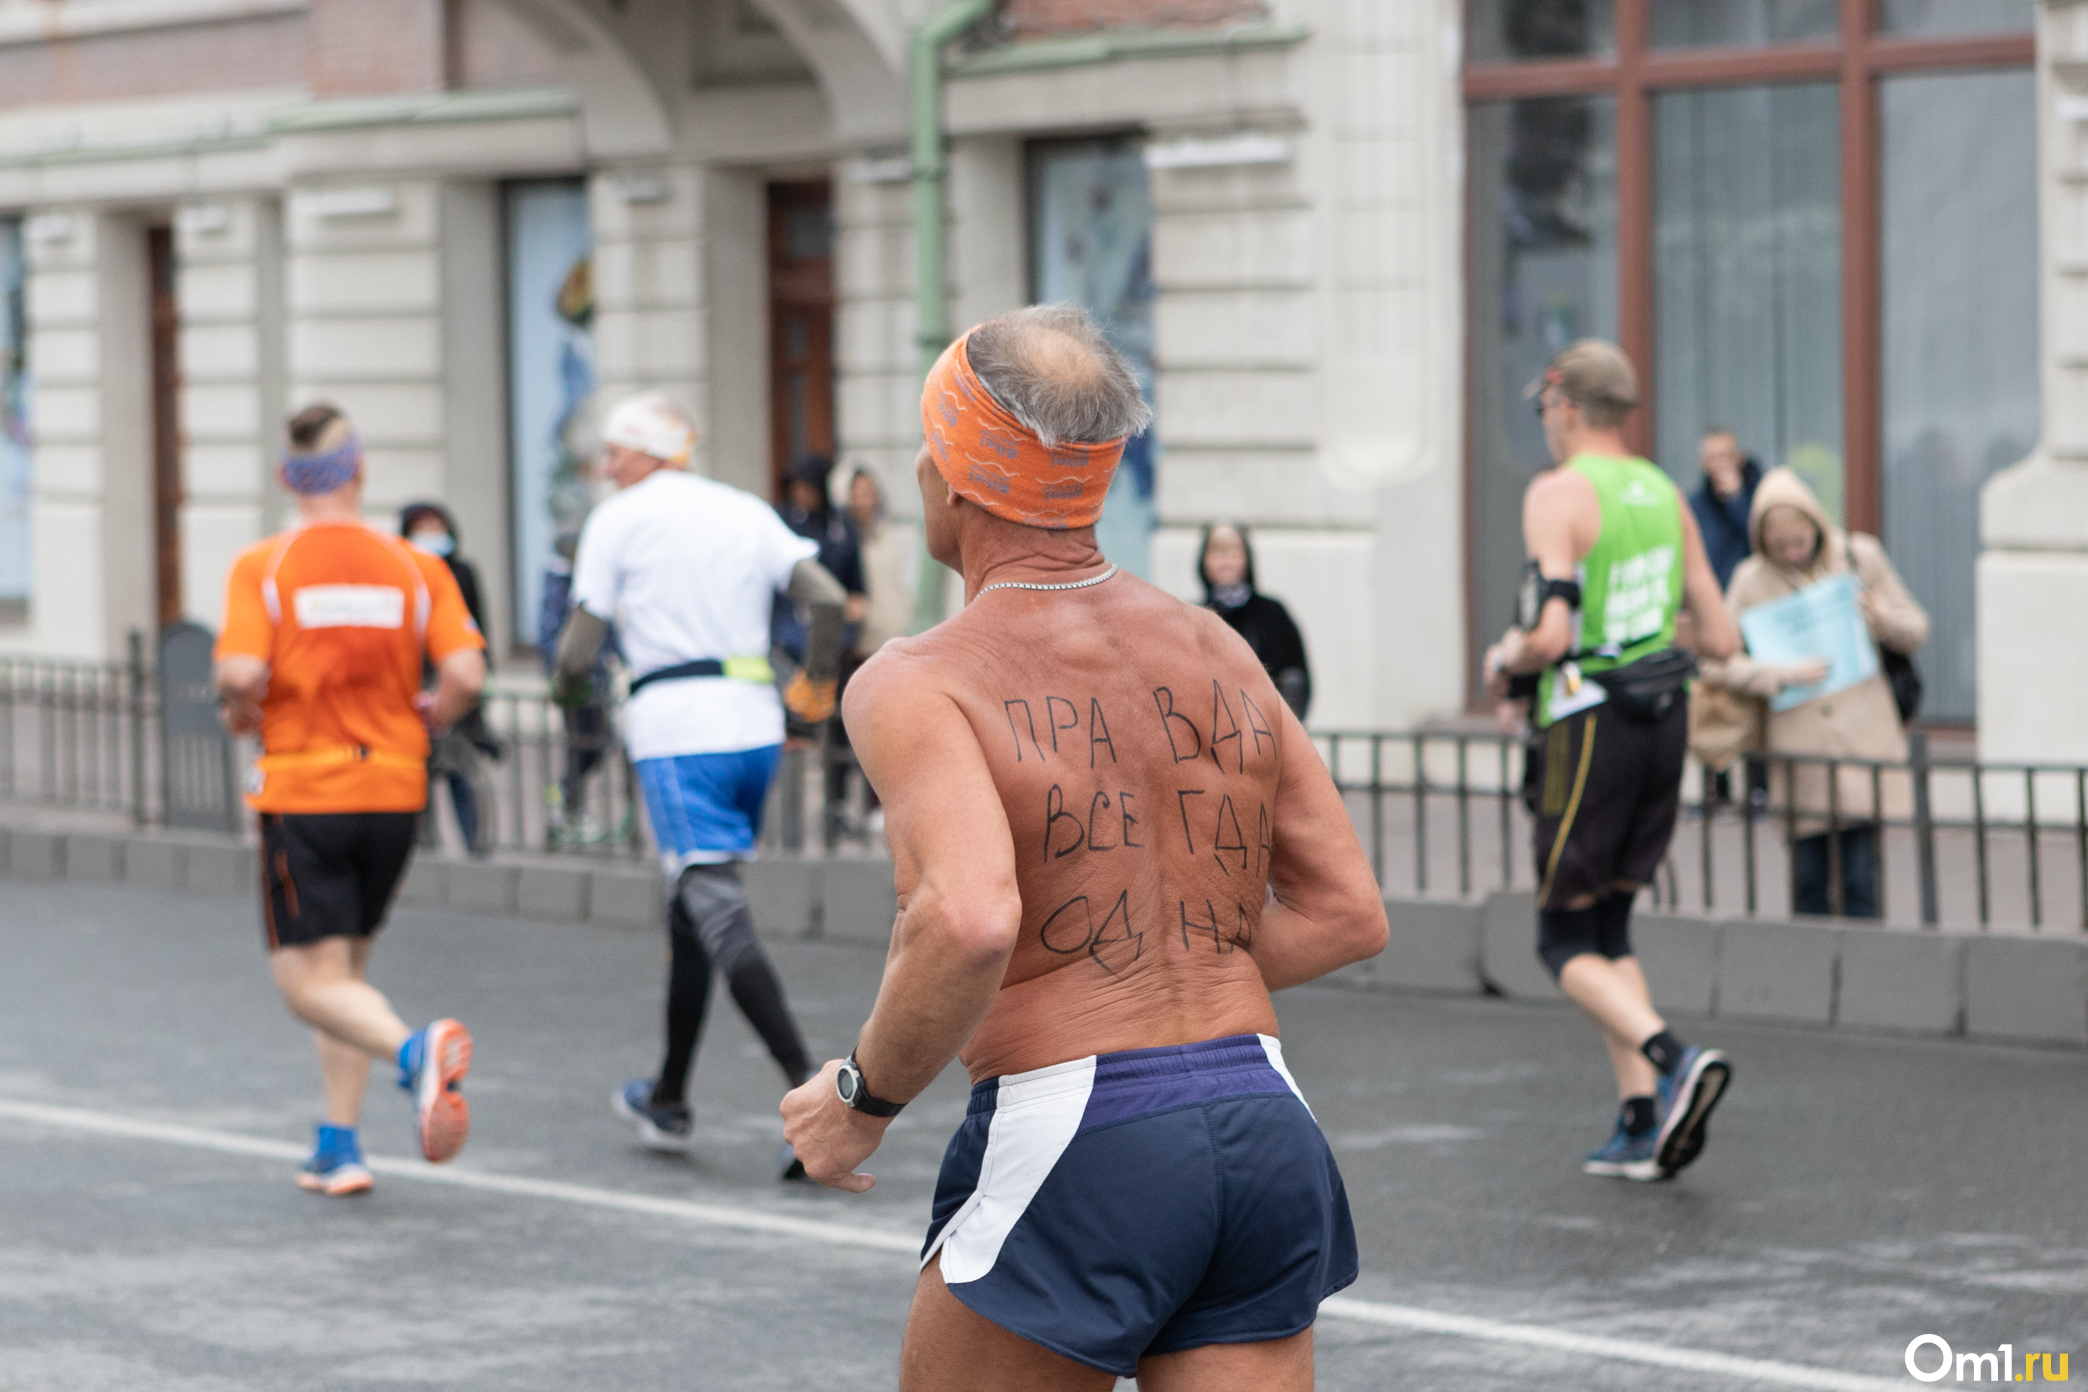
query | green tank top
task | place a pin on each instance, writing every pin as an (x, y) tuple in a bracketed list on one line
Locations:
[(1631, 582)]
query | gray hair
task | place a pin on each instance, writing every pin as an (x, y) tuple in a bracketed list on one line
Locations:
[(1050, 366)]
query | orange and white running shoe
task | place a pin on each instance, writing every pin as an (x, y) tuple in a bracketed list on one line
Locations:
[(437, 1059)]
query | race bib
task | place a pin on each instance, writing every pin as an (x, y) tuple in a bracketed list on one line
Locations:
[(350, 606)]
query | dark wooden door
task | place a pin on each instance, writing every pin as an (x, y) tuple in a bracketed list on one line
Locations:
[(166, 425), (801, 324)]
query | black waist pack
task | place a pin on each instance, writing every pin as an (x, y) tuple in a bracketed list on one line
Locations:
[(1647, 689)]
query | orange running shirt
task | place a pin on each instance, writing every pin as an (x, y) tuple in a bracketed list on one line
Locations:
[(342, 614)]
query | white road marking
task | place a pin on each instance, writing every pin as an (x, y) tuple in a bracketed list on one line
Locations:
[(711, 1215), (1408, 1317), (1599, 1346)]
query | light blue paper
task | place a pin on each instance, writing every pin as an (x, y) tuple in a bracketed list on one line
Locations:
[(1820, 621)]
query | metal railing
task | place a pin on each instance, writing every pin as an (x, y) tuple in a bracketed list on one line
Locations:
[(1441, 813), (92, 738), (1955, 839), (81, 735)]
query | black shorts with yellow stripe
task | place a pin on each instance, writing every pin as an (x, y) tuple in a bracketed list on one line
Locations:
[(1605, 791), (331, 874)]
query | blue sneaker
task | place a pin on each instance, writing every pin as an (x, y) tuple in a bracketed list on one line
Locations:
[(1624, 1156), (1686, 1097), (670, 1130), (336, 1167)]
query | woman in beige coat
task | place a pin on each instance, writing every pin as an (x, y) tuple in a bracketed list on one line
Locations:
[(1795, 545)]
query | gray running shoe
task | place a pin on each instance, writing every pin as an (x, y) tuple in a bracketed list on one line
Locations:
[(670, 1130), (1687, 1097)]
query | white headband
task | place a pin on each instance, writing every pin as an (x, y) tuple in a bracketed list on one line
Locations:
[(645, 424)]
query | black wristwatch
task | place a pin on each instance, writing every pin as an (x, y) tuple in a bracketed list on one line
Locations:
[(855, 1093)]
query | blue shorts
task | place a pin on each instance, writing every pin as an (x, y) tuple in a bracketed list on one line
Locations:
[(706, 808), (1144, 1202)]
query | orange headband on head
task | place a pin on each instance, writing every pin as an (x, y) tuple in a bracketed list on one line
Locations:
[(993, 460)]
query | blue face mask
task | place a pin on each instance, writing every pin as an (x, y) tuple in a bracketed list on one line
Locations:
[(435, 543)]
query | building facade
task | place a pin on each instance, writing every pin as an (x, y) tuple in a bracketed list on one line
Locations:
[(1337, 236)]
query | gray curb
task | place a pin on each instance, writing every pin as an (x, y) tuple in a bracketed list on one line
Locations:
[(1827, 974)]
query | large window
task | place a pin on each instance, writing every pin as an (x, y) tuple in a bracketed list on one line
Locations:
[(1747, 277), (1810, 221), (1960, 371), (15, 471), (1544, 247), (550, 306)]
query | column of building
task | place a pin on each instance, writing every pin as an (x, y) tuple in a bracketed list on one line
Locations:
[(876, 359), (86, 297), (364, 306), (392, 306), (648, 333), (2033, 574), (228, 295), (1391, 395)]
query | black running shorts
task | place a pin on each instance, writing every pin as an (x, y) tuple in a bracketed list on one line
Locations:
[(1605, 791), (330, 874)]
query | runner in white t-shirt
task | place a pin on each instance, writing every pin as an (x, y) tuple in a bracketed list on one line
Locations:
[(688, 570)]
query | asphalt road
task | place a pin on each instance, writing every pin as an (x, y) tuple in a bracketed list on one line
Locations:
[(1856, 1192)]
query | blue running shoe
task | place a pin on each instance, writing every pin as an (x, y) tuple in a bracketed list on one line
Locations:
[(669, 1130), (336, 1167), (1624, 1156), (1687, 1097)]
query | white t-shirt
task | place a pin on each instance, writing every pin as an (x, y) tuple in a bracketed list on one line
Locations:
[(688, 568)]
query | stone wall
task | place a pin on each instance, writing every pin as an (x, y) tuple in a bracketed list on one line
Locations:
[(259, 50), (2033, 673), (1817, 973), (357, 47), (228, 295), (88, 347)]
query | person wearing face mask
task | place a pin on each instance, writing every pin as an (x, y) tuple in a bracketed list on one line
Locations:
[(1796, 545), (455, 756), (1226, 564)]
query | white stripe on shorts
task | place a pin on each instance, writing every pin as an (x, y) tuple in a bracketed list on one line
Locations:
[(1274, 1049), (1035, 1116)]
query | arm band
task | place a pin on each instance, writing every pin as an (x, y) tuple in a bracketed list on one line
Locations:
[(579, 644)]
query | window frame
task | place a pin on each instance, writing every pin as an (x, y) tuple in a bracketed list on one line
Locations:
[(1858, 59)]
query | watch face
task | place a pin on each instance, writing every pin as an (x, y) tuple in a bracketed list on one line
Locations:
[(845, 1083)]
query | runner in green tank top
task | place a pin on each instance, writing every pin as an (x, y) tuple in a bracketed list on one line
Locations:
[(1616, 556), (1631, 582)]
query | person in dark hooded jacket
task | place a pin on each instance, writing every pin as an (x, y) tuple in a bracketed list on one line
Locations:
[(454, 756), (1722, 501), (1226, 565)]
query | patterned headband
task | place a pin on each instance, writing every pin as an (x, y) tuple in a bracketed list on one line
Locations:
[(316, 474)]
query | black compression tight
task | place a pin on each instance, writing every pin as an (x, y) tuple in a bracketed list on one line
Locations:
[(688, 1001), (709, 927)]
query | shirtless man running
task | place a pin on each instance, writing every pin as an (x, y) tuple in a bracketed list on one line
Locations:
[(1112, 841)]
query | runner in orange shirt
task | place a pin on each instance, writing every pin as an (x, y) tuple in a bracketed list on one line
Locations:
[(326, 625)]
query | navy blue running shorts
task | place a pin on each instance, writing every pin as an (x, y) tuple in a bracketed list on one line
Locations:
[(1144, 1202)]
